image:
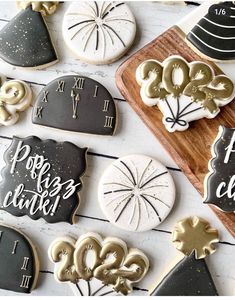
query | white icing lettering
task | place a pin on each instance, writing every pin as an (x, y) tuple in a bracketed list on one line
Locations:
[(229, 149)]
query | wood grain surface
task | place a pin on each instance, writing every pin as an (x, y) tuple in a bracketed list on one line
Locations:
[(191, 148)]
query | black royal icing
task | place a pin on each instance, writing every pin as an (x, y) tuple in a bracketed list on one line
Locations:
[(76, 103), (19, 270), (42, 178), (25, 41)]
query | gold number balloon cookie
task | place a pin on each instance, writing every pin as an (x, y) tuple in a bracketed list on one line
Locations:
[(183, 91), (110, 264), (15, 97)]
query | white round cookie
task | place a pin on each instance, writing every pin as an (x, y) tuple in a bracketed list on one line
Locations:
[(99, 32), (136, 193)]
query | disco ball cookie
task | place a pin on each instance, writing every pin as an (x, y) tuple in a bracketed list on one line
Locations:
[(136, 193), (99, 32)]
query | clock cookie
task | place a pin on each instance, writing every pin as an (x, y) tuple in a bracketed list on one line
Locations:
[(19, 261), (214, 35), (76, 103), (99, 32), (183, 91), (73, 263), (25, 40), (190, 276), (15, 97), (136, 193), (42, 179), (219, 183)]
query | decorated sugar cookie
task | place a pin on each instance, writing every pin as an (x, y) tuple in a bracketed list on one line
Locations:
[(76, 103), (19, 261), (15, 97), (219, 183), (41, 179), (25, 40), (190, 276), (214, 35), (115, 265), (136, 193), (183, 91), (99, 32)]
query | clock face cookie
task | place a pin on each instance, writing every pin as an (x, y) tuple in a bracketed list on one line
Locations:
[(15, 97), (99, 32), (19, 261), (76, 103), (25, 41), (112, 263), (136, 193), (219, 183), (183, 91), (41, 179), (214, 35)]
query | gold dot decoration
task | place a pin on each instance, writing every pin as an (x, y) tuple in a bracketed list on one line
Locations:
[(195, 234), (44, 7)]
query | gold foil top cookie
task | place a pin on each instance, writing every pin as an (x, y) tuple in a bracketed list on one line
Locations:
[(195, 234), (44, 7)]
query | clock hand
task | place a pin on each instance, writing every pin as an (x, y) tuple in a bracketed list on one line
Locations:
[(76, 99)]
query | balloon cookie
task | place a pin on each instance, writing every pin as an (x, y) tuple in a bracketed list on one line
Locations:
[(183, 91), (112, 263), (213, 37), (219, 183), (15, 97), (76, 103), (19, 261), (25, 40), (136, 193), (99, 32), (41, 179), (190, 276)]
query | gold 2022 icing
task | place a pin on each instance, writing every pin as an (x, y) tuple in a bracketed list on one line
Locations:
[(15, 97), (25, 40), (183, 91), (76, 103), (19, 261), (136, 193), (219, 183), (214, 35), (42, 178), (99, 32), (113, 263), (190, 276)]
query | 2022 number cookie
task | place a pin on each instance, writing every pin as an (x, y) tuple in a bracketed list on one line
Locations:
[(183, 91)]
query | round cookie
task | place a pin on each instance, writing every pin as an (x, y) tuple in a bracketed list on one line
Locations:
[(99, 32), (136, 193)]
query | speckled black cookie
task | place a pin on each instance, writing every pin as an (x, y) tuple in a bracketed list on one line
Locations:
[(219, 183), (18, 260), (25, 41), (76, 103), (190, 277), (42, 178)]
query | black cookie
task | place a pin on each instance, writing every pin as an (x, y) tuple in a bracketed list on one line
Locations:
[(25, 41), (42, 178), (76, 103), (221, 180), (214, 35), (190, 277), (18, 260)]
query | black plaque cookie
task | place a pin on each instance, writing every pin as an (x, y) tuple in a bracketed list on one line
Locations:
[(76, 103), (214, 35), (19, 261), (220, 182), (25, 40), (190, 276), (42, 178)]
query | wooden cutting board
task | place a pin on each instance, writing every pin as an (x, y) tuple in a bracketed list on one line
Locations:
[(191, 148)]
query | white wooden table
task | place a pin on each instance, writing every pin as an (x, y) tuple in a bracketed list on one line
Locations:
[(132, 137)]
